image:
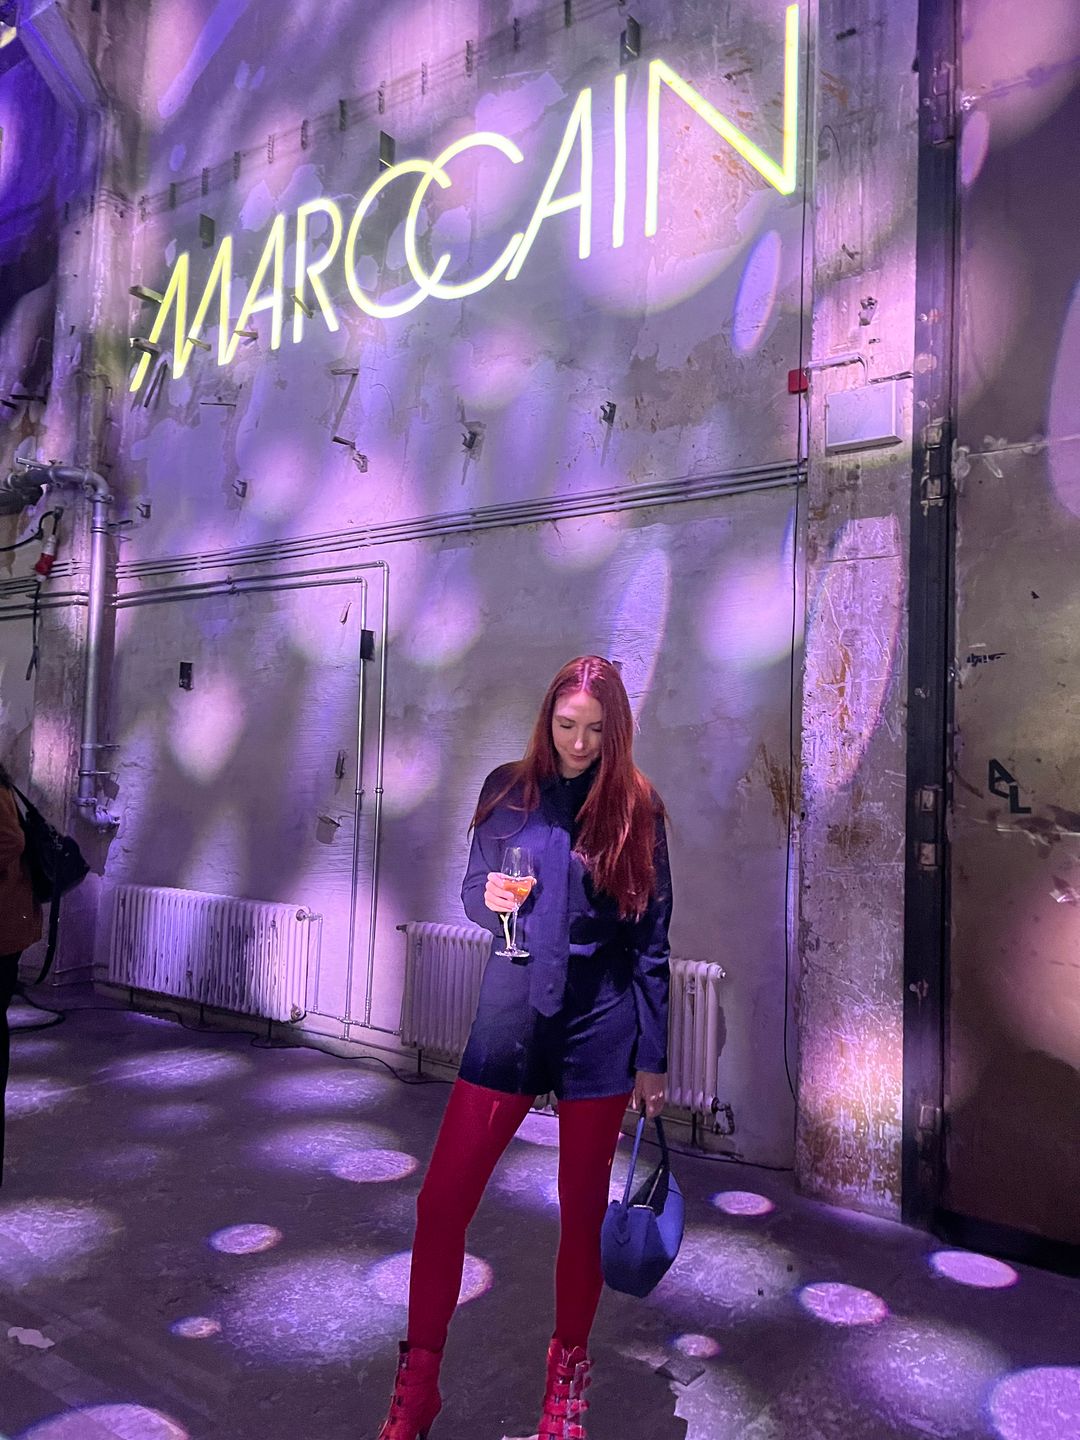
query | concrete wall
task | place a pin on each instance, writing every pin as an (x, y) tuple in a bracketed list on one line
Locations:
[(1012, 1077), (851, 918), (690, 334), (536, 543), (32, 197)]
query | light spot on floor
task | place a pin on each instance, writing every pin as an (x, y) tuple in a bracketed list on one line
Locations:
[(372, 1166), (699, 1347), (196, 1327), (389, 1279), (319, 1144), (316, 1309), (174, 1069), (843, 1304), (107, 1422), (245, 1239), (980, 1271), (51, 1238), (1038, 1404), (743, 1202)]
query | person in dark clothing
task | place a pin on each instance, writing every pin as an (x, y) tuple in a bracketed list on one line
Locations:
[(584, 1015), (20, 925)]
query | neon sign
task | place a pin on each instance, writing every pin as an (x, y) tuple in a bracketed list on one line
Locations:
[(267, 291)]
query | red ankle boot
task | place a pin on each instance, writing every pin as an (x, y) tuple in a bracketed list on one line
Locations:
[(564, 1400), (416, 1400)]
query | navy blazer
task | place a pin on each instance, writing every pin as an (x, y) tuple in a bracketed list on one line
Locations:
[(636, 950)]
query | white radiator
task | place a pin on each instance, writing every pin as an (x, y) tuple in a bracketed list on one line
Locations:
[(240, 955), (694, 1034), (443, 968)]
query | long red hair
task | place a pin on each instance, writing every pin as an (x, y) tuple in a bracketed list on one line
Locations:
[(617, 824)]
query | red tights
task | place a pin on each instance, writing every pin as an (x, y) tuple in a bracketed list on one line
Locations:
[(476, 1129)]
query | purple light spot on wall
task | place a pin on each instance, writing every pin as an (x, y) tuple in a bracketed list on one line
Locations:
[(742, 1202), (1064, 412), (389, 1279), (245, 1239), (974, 145), (843, 1304), (177, 155), (637, 628), (371, 1166), (314, 1310), (1040, 1404), (196, 1327), (583, 543), (323, 1089), (175, 1069), (107, 1422), (746, 615), (51, 1238), (933, 1377), (159, 1119), (700, 1347), (319, 1144), (213, 34), (203, 740), (849, 670), (978, 1270), (756, 298)]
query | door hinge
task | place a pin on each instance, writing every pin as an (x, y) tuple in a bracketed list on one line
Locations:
[(928, 855), (928, 799), (934, 483), (929, 1118), (939, 105)]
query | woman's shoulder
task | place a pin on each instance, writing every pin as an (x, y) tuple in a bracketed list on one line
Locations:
[(650, 797), (500, 782)]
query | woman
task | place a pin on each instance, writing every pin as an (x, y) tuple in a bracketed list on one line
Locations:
[(584, 1016), (20, 924)]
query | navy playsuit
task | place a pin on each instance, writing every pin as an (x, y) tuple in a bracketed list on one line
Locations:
[(590, 1006)]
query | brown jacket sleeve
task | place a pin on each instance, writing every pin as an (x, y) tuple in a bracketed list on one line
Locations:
[(20, 914), (12, 839)]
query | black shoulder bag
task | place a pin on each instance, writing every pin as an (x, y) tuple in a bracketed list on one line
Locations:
[(56, 865)]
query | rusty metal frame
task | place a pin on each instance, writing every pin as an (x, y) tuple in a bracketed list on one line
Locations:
[(931, 622)]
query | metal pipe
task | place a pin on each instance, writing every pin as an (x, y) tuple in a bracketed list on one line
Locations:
[(91, 483), (211, 588), (489, 517), (358, 799), (375, 858)]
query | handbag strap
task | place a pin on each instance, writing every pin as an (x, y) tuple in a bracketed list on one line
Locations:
[(28, 805), (665, 1159), (633, 1162)]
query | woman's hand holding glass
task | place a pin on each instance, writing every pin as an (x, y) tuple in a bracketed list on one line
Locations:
[(506, 891)]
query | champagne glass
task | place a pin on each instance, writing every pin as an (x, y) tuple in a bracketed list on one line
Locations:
[(520, 876)]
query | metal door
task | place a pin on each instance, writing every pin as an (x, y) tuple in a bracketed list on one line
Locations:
[(1012, 993)]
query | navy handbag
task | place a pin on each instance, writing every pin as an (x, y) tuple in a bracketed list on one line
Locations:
[(642, 1233)]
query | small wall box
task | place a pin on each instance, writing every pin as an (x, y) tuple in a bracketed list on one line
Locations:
[(862, 417)]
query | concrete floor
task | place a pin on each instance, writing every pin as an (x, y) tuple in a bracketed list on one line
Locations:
[(201, 1238)]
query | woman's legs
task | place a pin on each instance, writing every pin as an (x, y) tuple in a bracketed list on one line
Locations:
[(588, 1134), (476, 1129), (9, 975)]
